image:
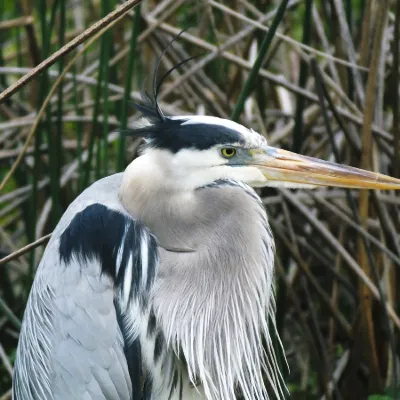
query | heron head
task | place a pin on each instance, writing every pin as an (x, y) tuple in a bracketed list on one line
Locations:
[(194, 151)]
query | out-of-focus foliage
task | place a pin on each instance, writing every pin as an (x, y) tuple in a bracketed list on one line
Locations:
[(339, 341)]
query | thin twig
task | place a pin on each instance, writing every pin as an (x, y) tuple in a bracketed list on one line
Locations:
[(17, 22), (25, 249)]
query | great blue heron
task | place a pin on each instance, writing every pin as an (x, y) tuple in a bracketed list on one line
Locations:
[(157, 283)]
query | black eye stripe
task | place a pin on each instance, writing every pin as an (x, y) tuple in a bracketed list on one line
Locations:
[(175, 135)]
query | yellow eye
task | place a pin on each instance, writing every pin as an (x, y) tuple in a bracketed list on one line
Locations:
[(228, 152)]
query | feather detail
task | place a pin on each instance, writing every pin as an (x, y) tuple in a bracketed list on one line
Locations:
[(221, 310)]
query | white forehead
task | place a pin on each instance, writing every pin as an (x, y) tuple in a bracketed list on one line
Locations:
[(251, 137), (202, 119)]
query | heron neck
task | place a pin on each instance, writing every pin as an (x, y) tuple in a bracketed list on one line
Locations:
[(217, 297), (188, 218)]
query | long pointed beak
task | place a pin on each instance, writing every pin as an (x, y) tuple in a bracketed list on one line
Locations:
[(282, 166)]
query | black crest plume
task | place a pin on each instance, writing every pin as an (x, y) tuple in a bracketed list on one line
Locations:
[(152, 109)]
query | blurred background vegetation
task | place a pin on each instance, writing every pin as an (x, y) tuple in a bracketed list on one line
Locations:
[(328, 86)]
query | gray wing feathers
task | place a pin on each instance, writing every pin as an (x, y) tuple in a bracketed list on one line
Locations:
[(89, 346), (71, 344)]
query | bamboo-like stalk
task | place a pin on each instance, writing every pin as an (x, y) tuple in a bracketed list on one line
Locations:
[(365, 38), (366, 323), (395, 92), (249, 85), (298, 131), (57, 209), (107, 42), (130, 69)]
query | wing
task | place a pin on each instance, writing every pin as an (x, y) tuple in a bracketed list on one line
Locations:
[(79, 335)]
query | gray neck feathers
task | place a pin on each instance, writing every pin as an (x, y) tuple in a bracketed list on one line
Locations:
[(213, 304)]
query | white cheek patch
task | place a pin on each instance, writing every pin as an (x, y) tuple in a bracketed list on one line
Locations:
[(192, 158), (250, 175), (247, 174)]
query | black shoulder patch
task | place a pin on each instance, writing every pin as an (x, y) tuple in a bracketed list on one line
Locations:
[(115, 240), (96, 232), (174, 135), (122, 246)]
